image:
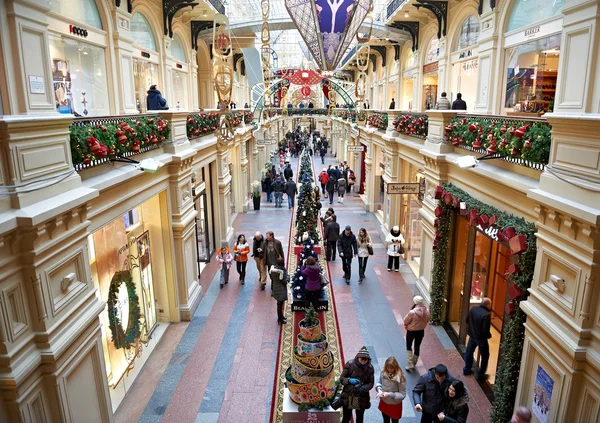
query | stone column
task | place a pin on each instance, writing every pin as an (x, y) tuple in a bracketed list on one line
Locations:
[(178, 141), (242, 201), (372, 181), (487, 66), (562, 309), (391, 129), (223, 221), (124, 87), (392, 202), (28, 58), (193, 65), (580, 35)]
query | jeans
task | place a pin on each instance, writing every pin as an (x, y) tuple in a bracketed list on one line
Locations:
[(241, 268), (362, 266), (330, 197), (417, 336), (269, 196), (278, 198), (395, 260), (323, 159), (484, 352), (347, 415), (224, 273), (388, 419), (347, 265), (330, 252), (290, 201)]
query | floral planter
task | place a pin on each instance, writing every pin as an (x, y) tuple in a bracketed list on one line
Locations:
[(256, 203)]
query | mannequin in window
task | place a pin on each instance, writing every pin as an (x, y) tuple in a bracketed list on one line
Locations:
[(155, 100)]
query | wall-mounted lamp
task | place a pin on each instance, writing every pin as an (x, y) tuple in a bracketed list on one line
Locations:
[(204, 13), (406, 14)]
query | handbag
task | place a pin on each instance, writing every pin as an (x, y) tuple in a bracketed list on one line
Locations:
[(401, 249), (370, 249), (324, 280)]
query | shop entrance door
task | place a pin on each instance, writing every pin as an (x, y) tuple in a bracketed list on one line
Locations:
[(202, 236)]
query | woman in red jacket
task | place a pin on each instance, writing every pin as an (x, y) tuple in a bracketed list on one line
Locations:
[(241, 249)]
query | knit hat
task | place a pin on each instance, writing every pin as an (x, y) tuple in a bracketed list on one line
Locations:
[(417, 299), (348, 228), (364, 353), (396, 229)]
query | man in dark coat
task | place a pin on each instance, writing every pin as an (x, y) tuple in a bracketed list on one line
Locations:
[(291, 190), (332, 233), (348, 249), (323, 151), (429, 393), (155, 100), (479, 323), (459, 103), (288, 172), (278, 189), (330, 187)]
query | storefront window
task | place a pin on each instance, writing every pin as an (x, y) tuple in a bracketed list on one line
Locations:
[(469, 33), (79, 77), (432, 51), (177, 50), (532, 71), (526, 12), (142, 32), (84, 11), (179, 90)]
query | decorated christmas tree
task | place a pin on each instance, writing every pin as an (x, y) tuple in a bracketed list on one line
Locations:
[(307, 210), (299, 280)]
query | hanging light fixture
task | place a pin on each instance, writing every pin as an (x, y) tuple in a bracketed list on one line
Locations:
[(328, 26)]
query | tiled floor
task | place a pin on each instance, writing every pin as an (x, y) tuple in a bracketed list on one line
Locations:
[(219, 367)]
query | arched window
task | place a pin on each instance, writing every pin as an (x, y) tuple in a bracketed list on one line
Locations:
[(411, 60), (84, 11), (177, 50), (469, 33), (142, 32), (527, 12), (432, 51)]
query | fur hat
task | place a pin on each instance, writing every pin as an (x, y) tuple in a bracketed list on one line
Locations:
[(417, 299), (364, 353)]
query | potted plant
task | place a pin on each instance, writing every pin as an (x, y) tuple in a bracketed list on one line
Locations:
[(256, 194)]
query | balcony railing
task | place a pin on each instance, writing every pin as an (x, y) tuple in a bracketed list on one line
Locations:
[(97, 140), (393, 6), (525, 142)]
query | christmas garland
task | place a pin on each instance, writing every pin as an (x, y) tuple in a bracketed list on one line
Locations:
[(415, 125), (200, 124), (513, 138), (378, 120), (90, 141), (520, 236), (120, 337)]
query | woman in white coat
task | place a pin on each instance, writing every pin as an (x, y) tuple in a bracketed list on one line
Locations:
[(395, 249)]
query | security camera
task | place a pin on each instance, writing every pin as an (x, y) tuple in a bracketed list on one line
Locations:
[(149, 165), (465, 162)]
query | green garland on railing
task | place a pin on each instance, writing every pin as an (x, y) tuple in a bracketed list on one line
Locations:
[(200, 124), (413, 124), (529, 140), (378, 120), (91, 142), (520, 235)]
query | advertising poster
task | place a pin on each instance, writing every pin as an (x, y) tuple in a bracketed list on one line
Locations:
[(542, 395)]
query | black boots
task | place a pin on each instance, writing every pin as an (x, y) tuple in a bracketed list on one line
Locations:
[(243, 277)]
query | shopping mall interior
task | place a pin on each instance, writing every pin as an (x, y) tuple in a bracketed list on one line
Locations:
[(139, 139)]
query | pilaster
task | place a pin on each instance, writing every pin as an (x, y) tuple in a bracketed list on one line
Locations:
[(372, 182), (123, 58), (223, 220), (488, 72), (178, 142), (392, 202)]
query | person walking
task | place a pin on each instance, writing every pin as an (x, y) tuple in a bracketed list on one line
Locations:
[(258, 253), (341, 187), (241, 249), (391, 391), (459, 103), (415, 322), (278, 188), (225, 258), (365, 249), (288, 173), (323, 177), (323, 152), (273, 250), (443, 103), (457, 408), (291, 190), (357, 378), (312, 289), (332, 234), (269, 186), (479, 325), (279, 282), (347, 248), (393, 242), (155, 100), (330, 187), (429, 393), (351, 181)]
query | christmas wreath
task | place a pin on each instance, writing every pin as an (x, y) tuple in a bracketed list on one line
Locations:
[(120, 337)]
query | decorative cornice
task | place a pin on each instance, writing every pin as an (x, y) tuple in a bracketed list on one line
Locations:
[(170, 9), (383, 51), (440, 11), (197, 27)]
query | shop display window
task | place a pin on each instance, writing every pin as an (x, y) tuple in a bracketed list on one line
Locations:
[(179, 98), (526, 12), (433, 50), (85, 11), (532, 71), (141, 32), (469, 34), (78, 77)]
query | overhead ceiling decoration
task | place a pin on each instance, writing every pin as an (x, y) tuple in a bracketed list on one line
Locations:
[(305, 77), (440, 10), (328, 26)]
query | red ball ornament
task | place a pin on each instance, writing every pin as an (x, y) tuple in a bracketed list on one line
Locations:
[(439, 211), (510, 309)]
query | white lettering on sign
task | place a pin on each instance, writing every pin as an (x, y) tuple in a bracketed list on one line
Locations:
[(491, 231), (532, 31)]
